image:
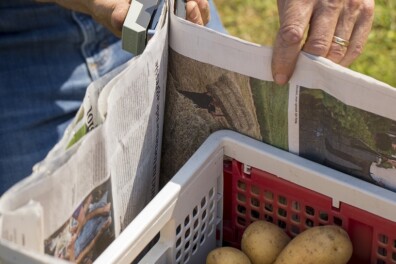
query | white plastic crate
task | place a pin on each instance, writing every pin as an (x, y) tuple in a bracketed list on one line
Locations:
[(187, 214), (188, 217)]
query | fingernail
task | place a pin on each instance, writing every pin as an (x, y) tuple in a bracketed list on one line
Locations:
[(281, 79)]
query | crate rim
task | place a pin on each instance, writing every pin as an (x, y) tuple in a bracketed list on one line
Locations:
[(338, 186)]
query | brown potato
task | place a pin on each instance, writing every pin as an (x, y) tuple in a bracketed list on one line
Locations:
[(227, 255), (262, 241), (328, 244)]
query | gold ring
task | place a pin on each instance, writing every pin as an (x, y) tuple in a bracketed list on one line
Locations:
[(341, 41)]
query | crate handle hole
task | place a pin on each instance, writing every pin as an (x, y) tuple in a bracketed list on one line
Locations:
[(383, 239), (187, 245), (269, 196), (186, 258), (241, 185), (241, 198), (255, 202), (187, 234), (337, 221), (310, 210), (211, 192), (241, 221), (203, 214), (194, 248), (382, 251), (282, 224), (296, 206), (178, 254), (186, 220), (268, 218), (178, 229), (255, 214), (295, 230), (255, 190), (268, 207), (202, 240), (203, 202), (241, 209), (324, 216), (282, 200), (282, 212), (309, 223), (295, 218)]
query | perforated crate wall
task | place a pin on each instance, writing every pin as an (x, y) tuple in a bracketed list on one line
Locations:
[(197, 226), (251, 194)]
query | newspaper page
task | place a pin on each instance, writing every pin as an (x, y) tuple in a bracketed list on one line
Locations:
[(326, 113), (106, 168), (102, 173)]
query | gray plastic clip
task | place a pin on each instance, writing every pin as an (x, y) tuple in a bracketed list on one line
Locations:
[(137, 23)]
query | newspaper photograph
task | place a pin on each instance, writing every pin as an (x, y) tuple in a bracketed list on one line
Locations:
[(127, 141), (347, 138), (103, 171), (88, 231), (327, 113)]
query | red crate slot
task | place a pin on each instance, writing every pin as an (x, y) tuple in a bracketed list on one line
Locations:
[(260, 195)]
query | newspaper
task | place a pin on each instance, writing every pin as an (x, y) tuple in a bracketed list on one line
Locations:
[(104, 170), (326, 113), (107, 166)]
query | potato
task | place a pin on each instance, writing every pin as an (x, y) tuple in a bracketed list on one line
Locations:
[(262, 241), (328, 244), (227, 255)]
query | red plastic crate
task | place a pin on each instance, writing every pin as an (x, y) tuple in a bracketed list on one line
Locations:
[(260, 195)]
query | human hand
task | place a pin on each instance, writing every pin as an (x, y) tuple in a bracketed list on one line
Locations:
[(112, 13), (197, 11), (350, 20)]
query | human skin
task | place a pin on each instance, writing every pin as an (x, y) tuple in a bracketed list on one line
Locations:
[(322, 19), (112, 13)]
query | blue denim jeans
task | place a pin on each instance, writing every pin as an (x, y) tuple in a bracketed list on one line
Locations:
[(48, 57)]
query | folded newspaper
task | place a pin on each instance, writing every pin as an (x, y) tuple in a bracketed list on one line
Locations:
[(125, 142)]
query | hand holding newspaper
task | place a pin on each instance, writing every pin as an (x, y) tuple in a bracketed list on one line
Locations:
[(107, 166)]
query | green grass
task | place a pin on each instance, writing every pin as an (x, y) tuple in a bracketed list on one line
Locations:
[(257, 21), (271, 103)]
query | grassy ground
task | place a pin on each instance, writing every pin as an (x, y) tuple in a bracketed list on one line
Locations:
[(271, 108), (257, 21)]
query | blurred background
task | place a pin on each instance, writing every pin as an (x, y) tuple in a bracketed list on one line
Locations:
[(257, 21)]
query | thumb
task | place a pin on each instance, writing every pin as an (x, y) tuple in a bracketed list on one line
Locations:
[(118, 17), (294, 19)]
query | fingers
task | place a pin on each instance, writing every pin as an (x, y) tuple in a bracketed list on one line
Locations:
[(294, 19), (360, 32), (110, 13), (197, 11), (192, 13), (349, 20), (118, 16), (322, 26), (281, 4), (346, 23)]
